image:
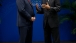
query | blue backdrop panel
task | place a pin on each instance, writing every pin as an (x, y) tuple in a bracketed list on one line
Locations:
[(9, 30)]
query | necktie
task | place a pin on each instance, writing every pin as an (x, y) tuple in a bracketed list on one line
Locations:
[(29, 1)]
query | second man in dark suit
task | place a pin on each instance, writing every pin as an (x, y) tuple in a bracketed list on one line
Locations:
[(25, 20), (50, 8)]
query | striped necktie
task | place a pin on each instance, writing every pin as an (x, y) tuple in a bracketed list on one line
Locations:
[(29, 1)]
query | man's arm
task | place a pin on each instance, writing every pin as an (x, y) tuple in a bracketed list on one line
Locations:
[(39, 10), (57, 8), (21, 9)]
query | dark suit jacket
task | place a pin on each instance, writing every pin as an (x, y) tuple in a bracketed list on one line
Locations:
[(25, 12), (50, 16)]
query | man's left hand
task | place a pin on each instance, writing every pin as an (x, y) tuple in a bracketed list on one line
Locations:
[(47, 6)]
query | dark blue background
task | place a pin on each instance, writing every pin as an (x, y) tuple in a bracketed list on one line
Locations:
[(9, 30)]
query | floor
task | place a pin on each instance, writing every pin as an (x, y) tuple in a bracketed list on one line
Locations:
[(36, 42)]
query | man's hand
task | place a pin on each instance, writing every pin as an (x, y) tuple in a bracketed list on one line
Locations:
[(43, 5), (46, 6), (37, 6), (33, 18)]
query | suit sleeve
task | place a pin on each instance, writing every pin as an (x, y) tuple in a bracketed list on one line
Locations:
[(57, 6), (21, 8), (39, 10)]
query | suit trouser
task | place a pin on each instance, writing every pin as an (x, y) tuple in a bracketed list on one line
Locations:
[(25, 34), (54, 32)]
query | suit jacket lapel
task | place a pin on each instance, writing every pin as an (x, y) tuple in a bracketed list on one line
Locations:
[(30, 3)]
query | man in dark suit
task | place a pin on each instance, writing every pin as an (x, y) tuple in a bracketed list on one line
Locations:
[(51, 22), (25, 20)]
